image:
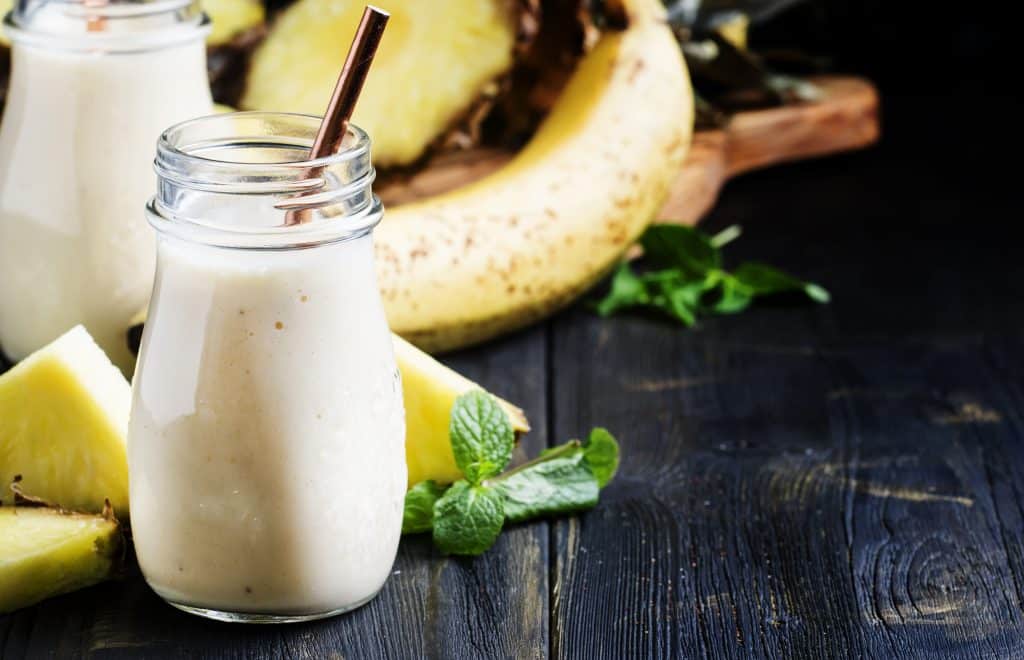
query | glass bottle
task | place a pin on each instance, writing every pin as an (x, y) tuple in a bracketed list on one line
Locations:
[(92, 86), (266, 442)]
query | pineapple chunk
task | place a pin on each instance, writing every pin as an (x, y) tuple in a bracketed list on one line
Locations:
[(63, 422), (429, 389), (435, 60), (229, 18), (45, 552)]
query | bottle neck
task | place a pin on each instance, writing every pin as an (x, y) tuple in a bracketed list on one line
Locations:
[(105, 26), (243, 180)]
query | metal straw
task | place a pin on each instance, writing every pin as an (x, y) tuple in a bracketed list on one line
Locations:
[(334, 125)]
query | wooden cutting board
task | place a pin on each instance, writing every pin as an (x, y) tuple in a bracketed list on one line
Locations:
[(845, 118)]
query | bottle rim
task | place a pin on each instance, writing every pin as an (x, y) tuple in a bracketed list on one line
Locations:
[(171, 22), (335, 189)]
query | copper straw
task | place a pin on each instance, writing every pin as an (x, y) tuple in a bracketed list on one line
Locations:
[(353, 74), (95, 23)]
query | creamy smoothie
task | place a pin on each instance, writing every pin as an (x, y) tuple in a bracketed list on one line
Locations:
[(266, 442), (76, 147), (267, 432)]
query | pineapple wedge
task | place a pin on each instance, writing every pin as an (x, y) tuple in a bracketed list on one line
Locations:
[(435, 60), (429, 389), (63, 422), (45, 552)]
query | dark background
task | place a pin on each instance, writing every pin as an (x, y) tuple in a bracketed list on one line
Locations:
[(799, 481)]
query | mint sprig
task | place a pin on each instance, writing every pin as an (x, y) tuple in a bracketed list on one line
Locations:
[(686, 278), (481, 436), (467, 517), (420, 500)]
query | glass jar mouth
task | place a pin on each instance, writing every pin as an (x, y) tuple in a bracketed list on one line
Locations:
[(111, 26), (241, 179), (186, 151)]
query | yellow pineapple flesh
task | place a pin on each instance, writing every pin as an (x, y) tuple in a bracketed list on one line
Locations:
[(429, 389), (63, 424), (45, 552), (436, 58)]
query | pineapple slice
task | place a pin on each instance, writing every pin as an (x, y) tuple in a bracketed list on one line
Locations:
[(429, 389), (63, 422), (435, 60), (230, 18), (46, 552)]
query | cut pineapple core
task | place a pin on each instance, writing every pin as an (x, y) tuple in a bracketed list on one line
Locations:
[(45, 552), (63, 422), (436, 58), (429, 389)]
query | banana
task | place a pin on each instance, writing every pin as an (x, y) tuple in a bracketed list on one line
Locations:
[(500, 253)]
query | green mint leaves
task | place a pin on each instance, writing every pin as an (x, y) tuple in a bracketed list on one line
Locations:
[(558, 483), (467, 517), (687, 279), (481, 435), (419, 507), (602, 455)]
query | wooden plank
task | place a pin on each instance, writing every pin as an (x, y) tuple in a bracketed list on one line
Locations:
[(491, 606), (809, 482), (789, 500)]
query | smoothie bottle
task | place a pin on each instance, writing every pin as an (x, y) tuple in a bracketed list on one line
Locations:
[(266, 442), (92, 86)]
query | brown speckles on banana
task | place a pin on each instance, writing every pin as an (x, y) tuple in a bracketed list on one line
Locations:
[(529, 240)]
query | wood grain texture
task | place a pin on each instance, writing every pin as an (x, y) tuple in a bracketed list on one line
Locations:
[(812, 482), (432, 606), (798, 482)]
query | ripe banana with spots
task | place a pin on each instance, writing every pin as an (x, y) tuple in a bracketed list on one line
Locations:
[(509, 249)]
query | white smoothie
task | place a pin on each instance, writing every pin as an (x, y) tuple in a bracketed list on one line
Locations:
[(76, 147), (266, 443)]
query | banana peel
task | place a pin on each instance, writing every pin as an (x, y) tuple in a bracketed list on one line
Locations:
[(507, 250)]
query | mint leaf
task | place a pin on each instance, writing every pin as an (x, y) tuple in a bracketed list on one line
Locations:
[(418, 515), (680, 299), (601, 453), (766, 280), (557, 485), (481, 436), (676, 246), (734, 296), (688, 280), (467, 519), (627, 290)]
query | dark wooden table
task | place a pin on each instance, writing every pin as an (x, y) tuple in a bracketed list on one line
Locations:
[(797, 482)]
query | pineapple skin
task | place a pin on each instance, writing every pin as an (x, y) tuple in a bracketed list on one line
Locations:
[(45, 552)]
